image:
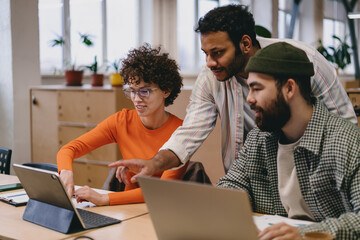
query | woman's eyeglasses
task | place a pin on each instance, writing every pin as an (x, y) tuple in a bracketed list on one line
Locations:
[(142, 93)]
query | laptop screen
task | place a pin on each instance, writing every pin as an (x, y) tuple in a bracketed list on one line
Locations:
[(44, 186)]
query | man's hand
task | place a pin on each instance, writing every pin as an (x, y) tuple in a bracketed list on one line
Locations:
[(121, 175), (138, 166), (87, 194), (163, 160), (67, 177), (281, 231)]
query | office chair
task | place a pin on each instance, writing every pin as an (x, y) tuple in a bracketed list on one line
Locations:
[(195, 172), (45, 166), (5, 157)]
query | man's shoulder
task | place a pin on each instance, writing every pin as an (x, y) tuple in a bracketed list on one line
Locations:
[(309, 49), (343, 126), (336, 128)]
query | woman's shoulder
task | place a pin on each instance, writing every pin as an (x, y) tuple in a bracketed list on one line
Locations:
[(124, 115), (175, 120)]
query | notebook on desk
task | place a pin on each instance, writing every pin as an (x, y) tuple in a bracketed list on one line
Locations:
[(50, 206), (184, 210)]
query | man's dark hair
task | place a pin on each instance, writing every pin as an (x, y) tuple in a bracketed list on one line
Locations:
[(234, 19), (151, 66), (302, 81)]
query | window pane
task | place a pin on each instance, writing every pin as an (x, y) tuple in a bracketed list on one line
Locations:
[(339, 29), (186, 34), (191, 58), (86, 18), (204, 7), (328, 31), (50, 27), (122, 23), (282, 24), (282, 4)]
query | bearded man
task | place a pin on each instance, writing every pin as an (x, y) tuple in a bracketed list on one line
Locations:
[(301, 161)]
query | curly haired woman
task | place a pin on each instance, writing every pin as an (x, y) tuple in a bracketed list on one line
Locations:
[(152, 82)]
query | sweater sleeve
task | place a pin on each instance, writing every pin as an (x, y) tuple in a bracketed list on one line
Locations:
[(136, 196), (101, 135)]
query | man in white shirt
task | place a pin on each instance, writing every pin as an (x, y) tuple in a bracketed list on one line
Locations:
[(228, 40)]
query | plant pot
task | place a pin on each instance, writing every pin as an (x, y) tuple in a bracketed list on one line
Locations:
[(97, 80), (116, 80), (73, 77)]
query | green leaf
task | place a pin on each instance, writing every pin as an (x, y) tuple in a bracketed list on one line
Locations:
[(86, 39), (262, 31)]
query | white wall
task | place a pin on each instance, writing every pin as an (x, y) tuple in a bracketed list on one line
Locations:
[(19, 69), (6, 86)]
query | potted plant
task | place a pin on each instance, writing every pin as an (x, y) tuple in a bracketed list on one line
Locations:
[(73, 74), (339, 55), (115, 78), (97, 79)]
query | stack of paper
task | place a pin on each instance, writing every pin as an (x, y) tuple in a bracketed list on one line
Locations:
[(265, 221)]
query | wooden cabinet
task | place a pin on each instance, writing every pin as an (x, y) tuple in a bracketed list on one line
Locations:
[(354, 95), (59, 114)]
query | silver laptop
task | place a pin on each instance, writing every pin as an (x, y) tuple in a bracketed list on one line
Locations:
[(50, 206), (183, 210)]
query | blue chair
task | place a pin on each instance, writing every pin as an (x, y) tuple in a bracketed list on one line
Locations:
[(5, 158)]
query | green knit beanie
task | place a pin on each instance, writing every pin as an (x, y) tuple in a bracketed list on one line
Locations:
[(281, 59)]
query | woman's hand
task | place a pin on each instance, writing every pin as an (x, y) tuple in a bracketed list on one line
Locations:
[(87, 194)]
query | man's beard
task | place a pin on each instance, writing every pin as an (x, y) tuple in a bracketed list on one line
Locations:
[(236, 66), (276, 115)]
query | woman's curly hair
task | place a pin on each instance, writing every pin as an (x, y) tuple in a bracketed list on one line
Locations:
[(151, 66), (234, 19)]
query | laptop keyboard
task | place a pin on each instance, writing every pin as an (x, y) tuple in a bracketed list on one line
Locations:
[(93, 220)]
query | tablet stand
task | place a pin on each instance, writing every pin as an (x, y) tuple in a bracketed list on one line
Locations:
[(53, 217)]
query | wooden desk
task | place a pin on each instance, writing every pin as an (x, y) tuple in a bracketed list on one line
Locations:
[(138, 228), (354, 95), (12, 226)]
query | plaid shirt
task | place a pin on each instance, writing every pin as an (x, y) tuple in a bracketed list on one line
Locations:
[(327, 166)]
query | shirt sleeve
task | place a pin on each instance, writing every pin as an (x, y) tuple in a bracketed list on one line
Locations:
[(327, 87), (136, 196), (346, 226), (200, 120)]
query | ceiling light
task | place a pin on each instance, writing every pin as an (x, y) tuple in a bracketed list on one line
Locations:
[(354, 15)]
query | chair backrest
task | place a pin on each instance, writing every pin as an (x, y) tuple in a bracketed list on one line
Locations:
[(112, 183), (45, 166), (196, 173), (5, 158)]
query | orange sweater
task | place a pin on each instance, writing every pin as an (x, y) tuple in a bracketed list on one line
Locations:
[(134, 140)]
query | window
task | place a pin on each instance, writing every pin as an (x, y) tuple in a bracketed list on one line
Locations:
[(122, 24), (50, 25), (111, 24), (334, 23), (86, 18), (115, 26), (284, 19)]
